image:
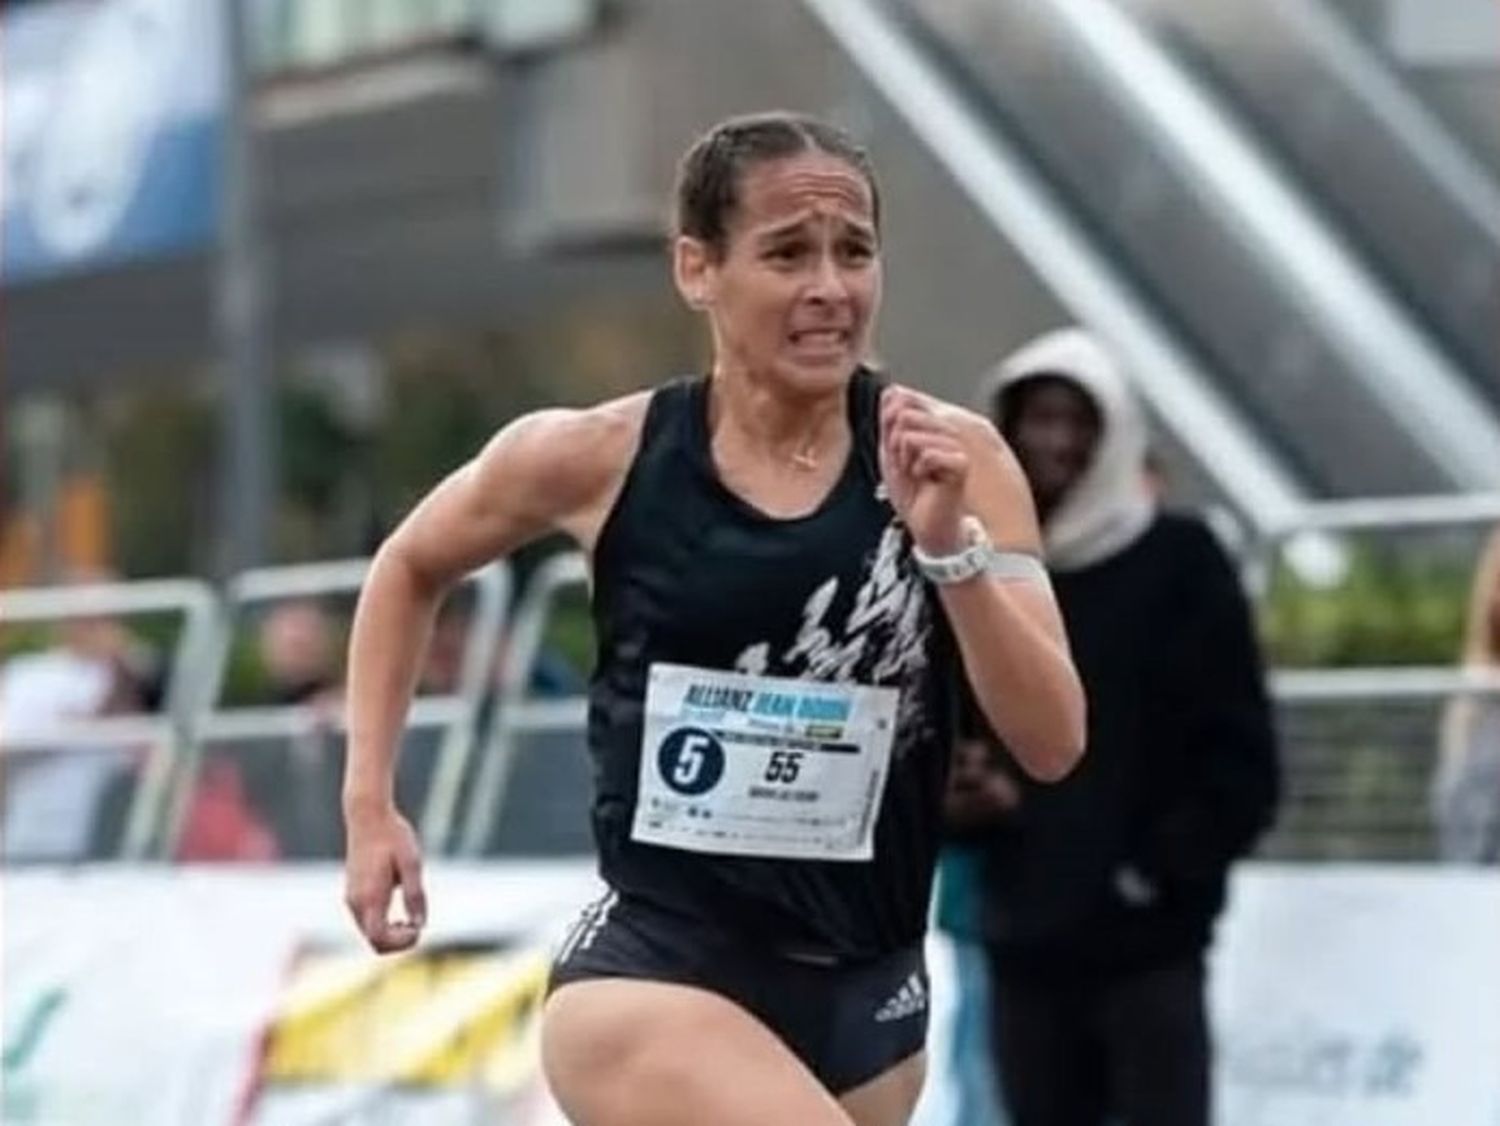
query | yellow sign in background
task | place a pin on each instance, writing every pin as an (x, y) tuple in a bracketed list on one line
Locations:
[(457, 1016)]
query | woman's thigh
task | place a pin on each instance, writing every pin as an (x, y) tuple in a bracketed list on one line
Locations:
[(625, 1052)]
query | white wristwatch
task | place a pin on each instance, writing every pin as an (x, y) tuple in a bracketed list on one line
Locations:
[(979, 557), (959, 567)]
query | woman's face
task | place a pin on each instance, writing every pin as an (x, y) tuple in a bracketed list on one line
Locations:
[(794, 295)]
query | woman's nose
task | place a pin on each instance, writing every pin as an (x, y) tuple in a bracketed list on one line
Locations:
[(827, 281)]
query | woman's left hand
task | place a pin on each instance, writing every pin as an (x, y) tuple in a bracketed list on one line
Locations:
[(925, 466)]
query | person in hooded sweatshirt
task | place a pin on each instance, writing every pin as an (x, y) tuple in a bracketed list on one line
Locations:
[(1097, 897)]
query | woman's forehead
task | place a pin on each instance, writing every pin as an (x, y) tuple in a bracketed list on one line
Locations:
[(778, 190)]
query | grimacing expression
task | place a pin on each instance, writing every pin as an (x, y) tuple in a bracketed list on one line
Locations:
[(1054, 428), (796, 288)]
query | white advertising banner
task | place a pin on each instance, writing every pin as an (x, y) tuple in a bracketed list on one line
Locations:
[(172, 997), (1359, 995), (1343, 996)]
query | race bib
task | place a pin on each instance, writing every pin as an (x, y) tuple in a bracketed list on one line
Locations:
[(762, 766)]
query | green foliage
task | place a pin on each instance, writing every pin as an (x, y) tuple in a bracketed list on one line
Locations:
[(347, 474), (570, 633), (245, 680), (1359, 770), (159, 450), (24, 637), (316, 447), (1393, 608), (434, 425)]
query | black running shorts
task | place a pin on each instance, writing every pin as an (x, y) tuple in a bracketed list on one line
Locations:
[(848, 1021)]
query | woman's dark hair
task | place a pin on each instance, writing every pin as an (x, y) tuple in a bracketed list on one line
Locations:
[(709, 177)]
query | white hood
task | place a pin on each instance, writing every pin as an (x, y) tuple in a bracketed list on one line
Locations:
[(1110, 506)]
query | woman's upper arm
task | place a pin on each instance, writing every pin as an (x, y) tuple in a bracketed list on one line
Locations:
[(538, 475)]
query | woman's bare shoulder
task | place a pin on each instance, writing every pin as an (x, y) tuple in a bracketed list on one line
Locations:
[(597, 436), (576, 458)]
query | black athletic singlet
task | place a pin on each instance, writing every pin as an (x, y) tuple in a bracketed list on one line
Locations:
[(687, 573)]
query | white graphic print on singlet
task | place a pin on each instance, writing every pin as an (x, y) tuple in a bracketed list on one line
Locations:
[(883, 640)]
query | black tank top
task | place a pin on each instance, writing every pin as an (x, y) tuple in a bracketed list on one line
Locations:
[(688, 573)]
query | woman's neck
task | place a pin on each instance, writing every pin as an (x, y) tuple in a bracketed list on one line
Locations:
[(764, 419)]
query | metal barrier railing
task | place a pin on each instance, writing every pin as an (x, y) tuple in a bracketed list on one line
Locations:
[(1323, 707), (517, 712), (1320, 524), (1361, 758), (168, 733), (1326, 686), (1362, 743), (453, 716), (1388, 514)]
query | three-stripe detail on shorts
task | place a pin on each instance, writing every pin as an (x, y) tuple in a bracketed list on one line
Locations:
[(586, 928)]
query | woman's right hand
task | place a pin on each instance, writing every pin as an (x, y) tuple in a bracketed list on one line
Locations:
[(381, 852)]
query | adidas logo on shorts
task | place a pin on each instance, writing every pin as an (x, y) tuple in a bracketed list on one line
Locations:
[(909, 1000)]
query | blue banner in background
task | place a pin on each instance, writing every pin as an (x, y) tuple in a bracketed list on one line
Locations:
[(112, 138)]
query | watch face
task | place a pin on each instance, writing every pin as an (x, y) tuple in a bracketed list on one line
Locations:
[(106, 107), (952, 568)]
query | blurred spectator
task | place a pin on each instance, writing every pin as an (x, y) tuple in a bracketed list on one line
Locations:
[(96, 668), (269, 798), (443, 663), (1099, 894), (221, 822), (54, 794), (299, 654), (553, 675), (977, 792), (1466, 789)]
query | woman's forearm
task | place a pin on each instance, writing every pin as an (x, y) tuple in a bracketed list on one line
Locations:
[(392, 627), (1021, 673)]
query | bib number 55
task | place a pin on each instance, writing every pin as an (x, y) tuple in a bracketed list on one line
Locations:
[(784, 766)]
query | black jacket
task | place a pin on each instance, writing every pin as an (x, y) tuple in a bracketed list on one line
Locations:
[(1122, 865)]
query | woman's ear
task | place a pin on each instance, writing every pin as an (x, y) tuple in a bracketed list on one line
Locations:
[(692, 270)]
